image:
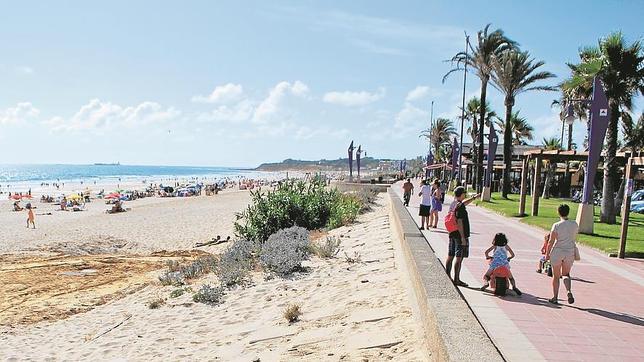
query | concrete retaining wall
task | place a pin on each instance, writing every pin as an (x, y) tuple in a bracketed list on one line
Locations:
[(451, 330)]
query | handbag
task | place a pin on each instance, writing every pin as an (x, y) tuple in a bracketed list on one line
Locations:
[(450, 220), (577, 256)]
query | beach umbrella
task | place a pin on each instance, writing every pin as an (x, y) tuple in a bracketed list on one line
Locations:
[(113, 195), (74, 197)]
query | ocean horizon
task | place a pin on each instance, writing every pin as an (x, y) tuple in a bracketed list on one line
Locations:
[(30, 173)]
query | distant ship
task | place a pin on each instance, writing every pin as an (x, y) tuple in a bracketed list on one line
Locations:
[(108, 164)]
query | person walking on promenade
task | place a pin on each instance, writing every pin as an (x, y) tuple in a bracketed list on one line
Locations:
[(459, 246), (437, 204), (408, 189), (562, 252), (425, 204)]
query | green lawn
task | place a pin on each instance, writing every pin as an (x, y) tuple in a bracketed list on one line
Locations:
[(606, 237)]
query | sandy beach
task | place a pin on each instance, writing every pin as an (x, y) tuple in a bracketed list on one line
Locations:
[(107, 267)]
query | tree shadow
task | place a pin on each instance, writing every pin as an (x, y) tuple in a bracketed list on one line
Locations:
[(626, 318)]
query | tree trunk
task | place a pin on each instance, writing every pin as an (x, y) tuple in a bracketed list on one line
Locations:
[(507, 147), (474, 153), (610, 168), (565, 192), (619, 199), (479, 169), (550, 170)]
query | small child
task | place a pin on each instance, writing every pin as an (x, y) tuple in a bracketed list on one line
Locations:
[(544, 247), (30, 216), (499, 258)]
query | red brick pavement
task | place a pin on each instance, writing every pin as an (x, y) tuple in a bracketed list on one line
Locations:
[(606, 322)]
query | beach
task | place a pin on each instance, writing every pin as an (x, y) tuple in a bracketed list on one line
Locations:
[(81, 282)]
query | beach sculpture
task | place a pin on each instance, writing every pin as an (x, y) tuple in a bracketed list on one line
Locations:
[(456, 156), (358, 160), (429, 162), (350, 151), (493, 142), (597, 125)]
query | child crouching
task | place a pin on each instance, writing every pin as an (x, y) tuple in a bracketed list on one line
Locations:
[(499, 259)]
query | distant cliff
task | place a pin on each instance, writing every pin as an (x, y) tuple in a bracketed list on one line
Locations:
[(341, 164)]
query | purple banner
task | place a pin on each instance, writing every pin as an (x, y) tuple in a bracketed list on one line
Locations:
[(358, 159), (429, 162), (456, 153), (493, 142), (598, 123), (350, 151)]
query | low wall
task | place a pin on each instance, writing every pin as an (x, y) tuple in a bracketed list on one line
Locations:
[(451, 330), (354, 186)]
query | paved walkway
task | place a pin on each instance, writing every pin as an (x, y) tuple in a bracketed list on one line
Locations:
[(606, 323)]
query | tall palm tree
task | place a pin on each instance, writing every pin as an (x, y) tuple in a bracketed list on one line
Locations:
[(515, 73), (621, 68), (520, 129), (439, 134), (479, 59), (472, 114), (551, 143)]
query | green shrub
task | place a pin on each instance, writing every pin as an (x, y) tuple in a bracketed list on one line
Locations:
[(310, 205)]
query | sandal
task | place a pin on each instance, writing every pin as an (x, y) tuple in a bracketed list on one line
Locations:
[(571, 299), (553, 301), (460, 284), (516, 290), (483, 288)]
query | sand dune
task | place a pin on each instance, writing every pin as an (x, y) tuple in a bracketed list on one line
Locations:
[(351, 311)]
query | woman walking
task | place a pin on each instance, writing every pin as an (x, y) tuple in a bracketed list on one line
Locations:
[(437, 204), (561, 252)]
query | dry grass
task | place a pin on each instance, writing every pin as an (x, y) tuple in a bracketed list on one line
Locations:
[(292, 313)]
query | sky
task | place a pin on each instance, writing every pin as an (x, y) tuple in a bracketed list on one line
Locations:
[(239, 83)]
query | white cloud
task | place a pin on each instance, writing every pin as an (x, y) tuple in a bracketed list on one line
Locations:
[(221, 94), (19, 113), (372, 47), (352, 99), (306, 133), (24, 70), (97, 115), (240, 112), (410, 119), (271, 106)]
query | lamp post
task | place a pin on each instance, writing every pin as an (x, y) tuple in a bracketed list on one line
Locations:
[(350, 152), (597, 125)]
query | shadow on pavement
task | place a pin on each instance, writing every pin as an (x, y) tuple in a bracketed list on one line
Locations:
[(626, 318)]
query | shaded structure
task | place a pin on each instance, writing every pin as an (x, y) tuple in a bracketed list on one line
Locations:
[(632, 165)]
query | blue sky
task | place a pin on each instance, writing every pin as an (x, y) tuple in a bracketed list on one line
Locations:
[(237, 83)]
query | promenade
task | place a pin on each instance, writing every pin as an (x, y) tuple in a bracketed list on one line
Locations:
[(606, 322)]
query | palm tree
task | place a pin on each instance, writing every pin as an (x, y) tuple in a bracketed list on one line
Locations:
[(621, 68), (635, 136), (479, 60), (472, 114), (520, 129), (439, 134), (551, 143), (515, 73)]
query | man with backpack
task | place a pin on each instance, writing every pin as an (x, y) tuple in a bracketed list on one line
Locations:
[(459, 246)]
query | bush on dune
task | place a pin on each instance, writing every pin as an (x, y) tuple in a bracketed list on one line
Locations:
[(310, 205), (285, 250)]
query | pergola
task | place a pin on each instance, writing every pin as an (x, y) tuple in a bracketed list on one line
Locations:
[(552, 156), (632, 164)]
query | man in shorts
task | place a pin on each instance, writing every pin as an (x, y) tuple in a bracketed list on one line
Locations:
[(408, 189), (459, 245), (425, 204)]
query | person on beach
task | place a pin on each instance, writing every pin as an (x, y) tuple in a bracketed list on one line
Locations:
[(30, 216), (437, 204), (408, 189), (425, 204), (459, 246), (561, 252), (499, 259)]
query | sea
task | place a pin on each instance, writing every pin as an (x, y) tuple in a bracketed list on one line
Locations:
[(23, 177)]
